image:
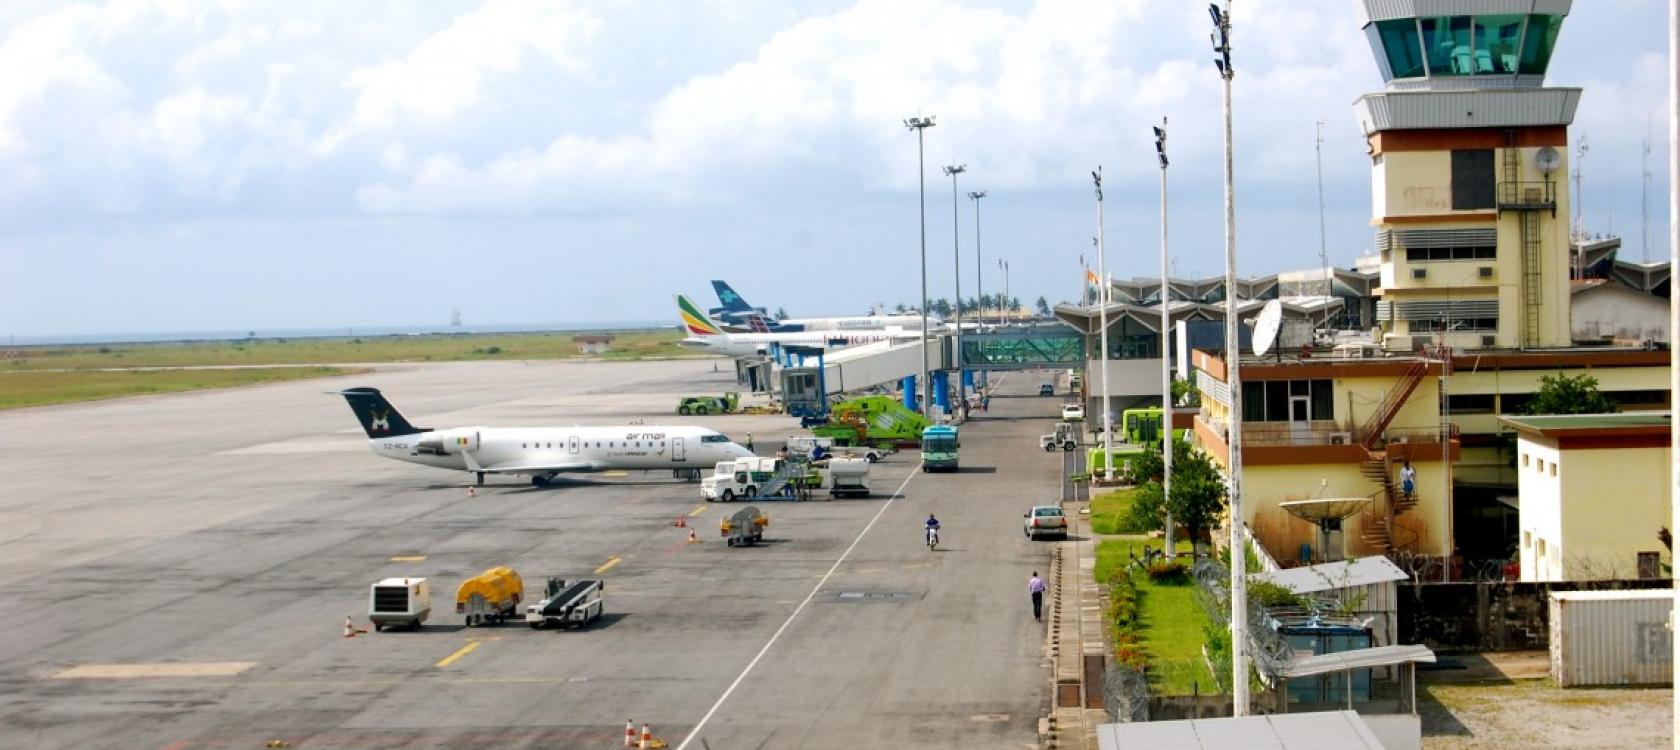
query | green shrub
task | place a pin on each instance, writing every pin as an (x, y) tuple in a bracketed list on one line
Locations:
[(1168, 573), (1271, 595)]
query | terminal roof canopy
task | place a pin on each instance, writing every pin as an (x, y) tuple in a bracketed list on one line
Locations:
[(1464, 43)]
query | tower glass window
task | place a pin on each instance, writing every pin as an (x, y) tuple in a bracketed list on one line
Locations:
[(1400, 46), (1538, 42), (1446, 42), (1497, 39)]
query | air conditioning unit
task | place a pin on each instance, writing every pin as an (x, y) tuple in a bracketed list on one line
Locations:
[(1394, 342), (1341, 438), (1488, 341), (1485, 272), (1420, 273)]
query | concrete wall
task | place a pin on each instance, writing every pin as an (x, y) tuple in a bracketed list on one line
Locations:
[(1487, 616), (1609, 311), (1586, 514), (1490, 381), (1425, 529)]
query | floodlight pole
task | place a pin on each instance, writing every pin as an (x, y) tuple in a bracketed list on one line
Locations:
[(1167, 442), (1233, 363), (1674, 321), (920, 124), (979, 272), (1102, 302), (956, 257)]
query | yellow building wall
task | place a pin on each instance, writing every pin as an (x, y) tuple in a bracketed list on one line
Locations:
[(1418, 184), (1357, 400), (1465, 381), (1595, 509), (1424, 529)]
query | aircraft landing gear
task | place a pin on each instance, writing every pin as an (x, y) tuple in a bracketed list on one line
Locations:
[(480, 478), (539, 481)]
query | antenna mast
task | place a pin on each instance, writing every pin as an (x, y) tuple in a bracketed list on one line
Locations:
[(1323, 243)]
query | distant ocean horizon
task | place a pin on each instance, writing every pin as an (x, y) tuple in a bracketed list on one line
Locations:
[(158, 337)]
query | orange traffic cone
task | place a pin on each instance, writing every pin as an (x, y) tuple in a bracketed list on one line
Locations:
[(349, 628), (647, 737), (682, 522), (692, 537), (629, 733), (472, 492)]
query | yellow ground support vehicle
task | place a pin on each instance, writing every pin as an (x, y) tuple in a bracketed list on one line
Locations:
[(745, 528), (491, 596)]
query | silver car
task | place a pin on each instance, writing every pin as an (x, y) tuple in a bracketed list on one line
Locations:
[(1044, 519)]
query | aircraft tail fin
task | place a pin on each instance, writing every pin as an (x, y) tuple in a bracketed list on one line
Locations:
[(732, 301), (694, 321), (378, 417)]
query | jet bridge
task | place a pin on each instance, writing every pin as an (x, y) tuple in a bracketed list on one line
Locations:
[(804, 375)]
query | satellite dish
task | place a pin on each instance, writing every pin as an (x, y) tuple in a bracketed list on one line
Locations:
[(1266, 327), (1547, 160), (1327, 515)]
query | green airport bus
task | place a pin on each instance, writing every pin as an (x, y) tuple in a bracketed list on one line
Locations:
[(939, 448)]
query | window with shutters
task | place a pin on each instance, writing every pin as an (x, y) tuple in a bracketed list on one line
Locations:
[(1473, 184)]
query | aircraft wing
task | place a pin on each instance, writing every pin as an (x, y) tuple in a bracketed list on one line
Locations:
[(557, 468)]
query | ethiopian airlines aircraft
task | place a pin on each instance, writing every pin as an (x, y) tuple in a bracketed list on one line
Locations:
[(538, 452), (704, 334), (737, 315)]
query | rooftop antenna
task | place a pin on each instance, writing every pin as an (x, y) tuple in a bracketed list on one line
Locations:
[(1645, 196), (1323, 243)]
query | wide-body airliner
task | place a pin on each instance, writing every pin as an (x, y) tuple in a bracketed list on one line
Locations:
[(540, 453), (706, 335)]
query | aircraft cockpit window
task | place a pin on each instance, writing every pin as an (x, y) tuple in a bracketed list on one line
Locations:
[(714, 439)]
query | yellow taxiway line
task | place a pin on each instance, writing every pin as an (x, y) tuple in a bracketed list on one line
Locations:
[(607, 566), (408, 558), (462, 651), (697, 511)]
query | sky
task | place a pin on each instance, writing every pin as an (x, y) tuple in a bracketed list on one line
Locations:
[(188, 165)]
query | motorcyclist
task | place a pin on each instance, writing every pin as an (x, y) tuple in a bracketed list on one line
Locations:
[(930, 528)]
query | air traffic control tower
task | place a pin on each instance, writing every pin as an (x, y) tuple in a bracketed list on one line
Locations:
[(1469, 152)]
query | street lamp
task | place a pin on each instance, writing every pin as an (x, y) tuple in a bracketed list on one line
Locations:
[(1166, 347), (920, 125), (1003, 265), (979, 285), (956, 257), (1102, 303), (1233, 361)]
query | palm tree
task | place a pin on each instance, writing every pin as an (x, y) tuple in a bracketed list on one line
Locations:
[(1043, 306)]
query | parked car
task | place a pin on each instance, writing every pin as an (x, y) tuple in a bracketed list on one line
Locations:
[(1047, 390), (1044, 519), (1073, 413)]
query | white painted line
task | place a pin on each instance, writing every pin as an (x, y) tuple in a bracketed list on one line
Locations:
[(161, 669), (692, 733)]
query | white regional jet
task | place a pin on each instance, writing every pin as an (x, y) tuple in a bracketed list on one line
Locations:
[(704, 334), (538, 452)]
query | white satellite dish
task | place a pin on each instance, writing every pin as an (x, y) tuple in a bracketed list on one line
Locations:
[(1547, 160), (1266, 327)]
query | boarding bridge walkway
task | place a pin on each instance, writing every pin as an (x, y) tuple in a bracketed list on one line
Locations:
[(995, 350)]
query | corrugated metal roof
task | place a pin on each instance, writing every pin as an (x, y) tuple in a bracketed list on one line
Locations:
[(1335, 575), (1342, 661), (1327, 730), (1382, 10), (1489, 108), (1582, 596)]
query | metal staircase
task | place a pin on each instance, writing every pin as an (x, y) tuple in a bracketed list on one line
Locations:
[(1371, 434), (1377, 523)]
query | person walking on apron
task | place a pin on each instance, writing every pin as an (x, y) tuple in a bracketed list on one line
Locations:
[(1035, 589)]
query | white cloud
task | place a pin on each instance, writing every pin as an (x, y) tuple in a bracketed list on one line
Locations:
[(445, 72)]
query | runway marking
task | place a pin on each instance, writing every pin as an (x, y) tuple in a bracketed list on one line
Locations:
[(697, 511), (692, 733), (615, 473), (607, 566), (130, 671), (408, 558), (460, 652)]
